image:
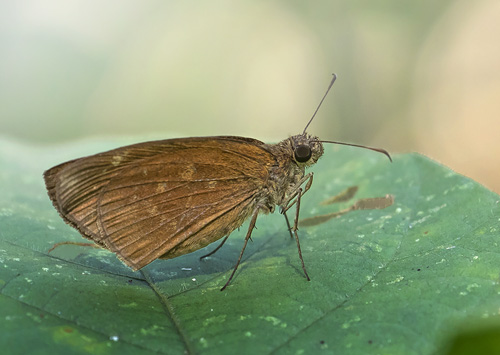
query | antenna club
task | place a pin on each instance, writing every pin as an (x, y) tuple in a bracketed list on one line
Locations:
[(317, 109), (378, 150)]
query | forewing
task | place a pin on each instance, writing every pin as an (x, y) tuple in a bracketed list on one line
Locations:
[(164, 198)]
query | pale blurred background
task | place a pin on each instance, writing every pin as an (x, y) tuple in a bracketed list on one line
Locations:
[(413, 75)]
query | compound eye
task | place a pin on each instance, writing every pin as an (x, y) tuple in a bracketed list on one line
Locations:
[(302, 153)]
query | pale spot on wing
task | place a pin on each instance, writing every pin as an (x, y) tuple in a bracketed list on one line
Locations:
[(153, 211), (188, 172), (117, 159), (162, 187), (172, 225), (212, 184)]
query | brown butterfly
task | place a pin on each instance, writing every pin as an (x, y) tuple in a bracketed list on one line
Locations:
[(163, 199)]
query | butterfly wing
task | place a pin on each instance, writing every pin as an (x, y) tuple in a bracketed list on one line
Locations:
[(164, 198)]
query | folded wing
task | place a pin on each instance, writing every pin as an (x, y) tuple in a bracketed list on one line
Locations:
[(164, 198)]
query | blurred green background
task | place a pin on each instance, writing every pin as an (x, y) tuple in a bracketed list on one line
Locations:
[(413, 75)]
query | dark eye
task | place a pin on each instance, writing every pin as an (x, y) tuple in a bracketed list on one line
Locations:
[(302, 153)]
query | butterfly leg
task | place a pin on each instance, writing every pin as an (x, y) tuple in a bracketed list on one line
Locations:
[(288, 201), (296, 228), (288, 225), (249, 234), (213, 251)]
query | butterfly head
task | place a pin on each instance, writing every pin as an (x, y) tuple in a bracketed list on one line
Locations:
[(307, 149)]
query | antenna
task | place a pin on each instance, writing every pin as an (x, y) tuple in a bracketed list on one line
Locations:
[(383, 151), (326, 93), (379, 150)]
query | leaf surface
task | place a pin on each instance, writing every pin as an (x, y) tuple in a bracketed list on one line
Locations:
[(397, 280)]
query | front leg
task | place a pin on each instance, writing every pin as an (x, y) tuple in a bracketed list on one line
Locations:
[(295, 229), (288, 225), (291, 200)]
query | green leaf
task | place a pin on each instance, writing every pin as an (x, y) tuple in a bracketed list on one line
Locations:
[(484, 339), (403, 279)]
